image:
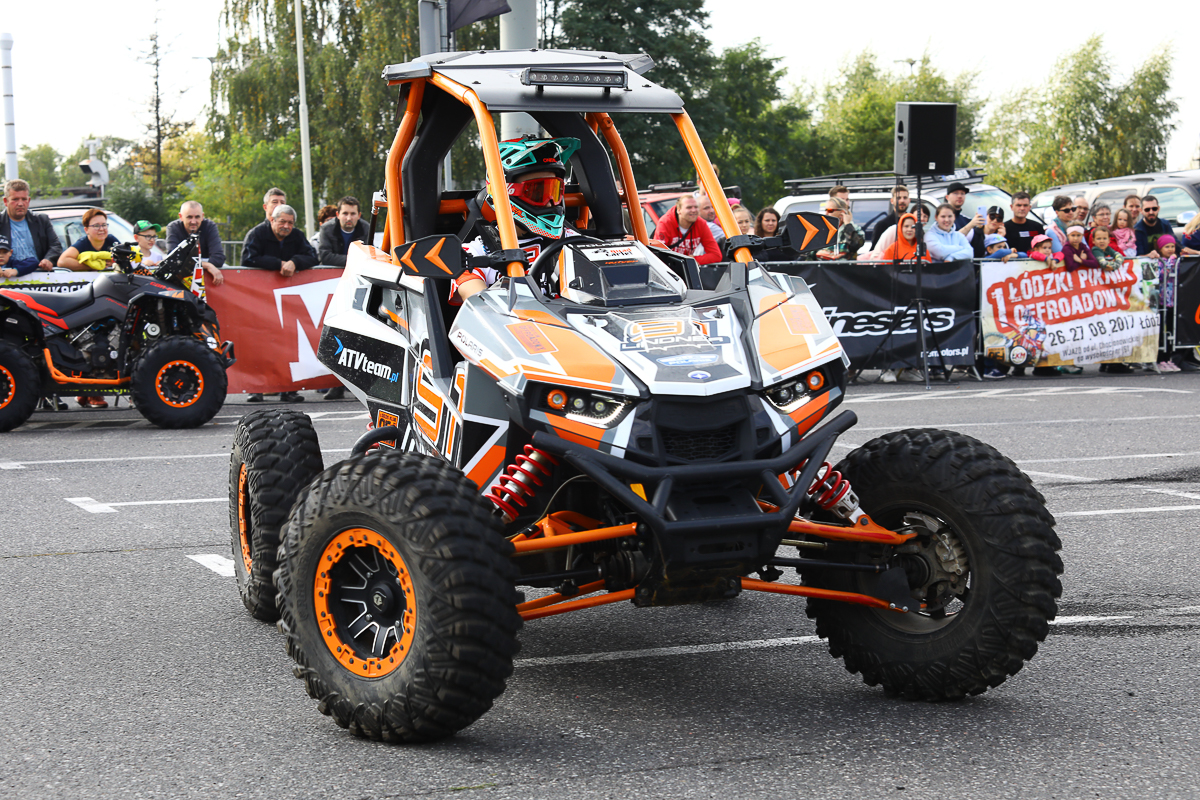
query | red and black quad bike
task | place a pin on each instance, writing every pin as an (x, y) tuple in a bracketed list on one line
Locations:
[(609, 423), (146, 335)]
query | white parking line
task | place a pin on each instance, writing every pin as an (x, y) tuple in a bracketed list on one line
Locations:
[(88, 504), (654, 652), (24, 464), (1108, 511), (787, 641), (96, 507), (219, 564), (948, 393), (1025, 423), (1122, 457)]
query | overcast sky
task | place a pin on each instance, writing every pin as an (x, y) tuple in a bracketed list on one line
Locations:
[(76, 70)]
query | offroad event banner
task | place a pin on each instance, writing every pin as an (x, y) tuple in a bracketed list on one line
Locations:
[(1187, 303), (1051, 317), (275, 326), (864, 300)]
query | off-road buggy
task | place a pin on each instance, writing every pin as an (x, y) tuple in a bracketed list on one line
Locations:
[(136, 331), (610, 423)]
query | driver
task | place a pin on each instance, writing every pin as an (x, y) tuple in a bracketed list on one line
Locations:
[(534, 172)]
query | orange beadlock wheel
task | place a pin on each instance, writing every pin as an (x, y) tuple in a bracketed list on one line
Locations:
[(179, 383), (365, 603), (8, 386), (243, 522)]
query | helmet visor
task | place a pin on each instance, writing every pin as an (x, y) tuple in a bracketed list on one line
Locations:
[(539, 192)]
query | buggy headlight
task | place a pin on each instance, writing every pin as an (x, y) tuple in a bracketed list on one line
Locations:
[(580, 405), (789, 395)]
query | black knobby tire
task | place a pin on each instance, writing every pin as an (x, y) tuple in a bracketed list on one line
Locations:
[(179, 383), (20, 386), (275, 456), (439, 586), (989, 591)]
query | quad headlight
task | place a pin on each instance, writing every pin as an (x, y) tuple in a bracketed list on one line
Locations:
[(581, 405), (789, 395)]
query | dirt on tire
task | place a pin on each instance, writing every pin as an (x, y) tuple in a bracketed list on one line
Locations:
[(992, 521), (455, 622)]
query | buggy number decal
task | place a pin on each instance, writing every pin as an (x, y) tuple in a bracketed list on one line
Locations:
[(431, 410), (382, 420)]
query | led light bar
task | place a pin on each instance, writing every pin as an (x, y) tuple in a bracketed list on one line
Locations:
[(541, 78)]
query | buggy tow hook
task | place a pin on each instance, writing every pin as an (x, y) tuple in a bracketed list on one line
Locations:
[(521, 481)]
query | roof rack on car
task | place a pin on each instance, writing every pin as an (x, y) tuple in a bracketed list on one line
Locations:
[(683, 186), (881, 181)]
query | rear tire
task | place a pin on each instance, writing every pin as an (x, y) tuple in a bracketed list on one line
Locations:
[(397, 596), (179, 383), (275, 456), (984, 565), (20, 386)]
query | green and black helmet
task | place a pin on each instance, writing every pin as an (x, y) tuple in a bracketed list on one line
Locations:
[(537, 203)]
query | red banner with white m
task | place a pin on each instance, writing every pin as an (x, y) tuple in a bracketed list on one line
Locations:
[(275, 326)]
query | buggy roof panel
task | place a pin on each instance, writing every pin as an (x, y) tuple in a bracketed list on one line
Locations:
[(495, 76)]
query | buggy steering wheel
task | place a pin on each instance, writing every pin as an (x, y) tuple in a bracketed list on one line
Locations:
[(543, 264)]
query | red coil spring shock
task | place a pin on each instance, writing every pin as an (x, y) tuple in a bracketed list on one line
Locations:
[(521, 481), (830, 485)]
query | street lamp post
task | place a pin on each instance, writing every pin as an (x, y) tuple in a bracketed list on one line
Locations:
[(305, 156)]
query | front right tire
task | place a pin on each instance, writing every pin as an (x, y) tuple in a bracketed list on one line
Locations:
[(397, 596)]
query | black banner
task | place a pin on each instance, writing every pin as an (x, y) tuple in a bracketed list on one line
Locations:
[(864, 300), (1187, 303)]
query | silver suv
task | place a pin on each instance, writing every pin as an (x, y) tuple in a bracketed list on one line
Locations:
[(1178, 193)]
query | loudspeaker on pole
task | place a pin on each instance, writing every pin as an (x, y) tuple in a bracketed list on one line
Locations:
[(925, 138)]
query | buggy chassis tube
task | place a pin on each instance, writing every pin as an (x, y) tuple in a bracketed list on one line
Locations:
[(755, 585), (602, 468)]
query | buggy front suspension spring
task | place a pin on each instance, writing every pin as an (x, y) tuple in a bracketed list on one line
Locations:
[(832, 492), (521, 481)]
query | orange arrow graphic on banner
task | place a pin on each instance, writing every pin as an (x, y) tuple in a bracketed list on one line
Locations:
[(433, 256), (832, 230), (811, 231), (407, 259)]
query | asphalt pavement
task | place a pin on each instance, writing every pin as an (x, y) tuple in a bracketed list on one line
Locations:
[(131, 669)]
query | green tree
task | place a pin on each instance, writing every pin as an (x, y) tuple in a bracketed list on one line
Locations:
[(38, 166), (233, 178), (858, 111), (755, 136), (1084, 125), (352, 113), (672, 33)]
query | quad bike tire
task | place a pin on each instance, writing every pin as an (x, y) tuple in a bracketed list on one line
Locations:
[(179, 383), (397, 596), (986, 569), (20, 386), (275, 456)]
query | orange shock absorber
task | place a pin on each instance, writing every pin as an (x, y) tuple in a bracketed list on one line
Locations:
[(521, 481), (832, 492)]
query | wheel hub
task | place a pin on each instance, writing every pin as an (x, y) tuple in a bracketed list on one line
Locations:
[(935, 562)]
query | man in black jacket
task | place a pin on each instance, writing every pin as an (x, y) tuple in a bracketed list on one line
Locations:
[(277, 245), (337, 234), (35, 244), (212, 252)]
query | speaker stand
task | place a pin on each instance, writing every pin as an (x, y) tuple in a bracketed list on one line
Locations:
[(922, 308)]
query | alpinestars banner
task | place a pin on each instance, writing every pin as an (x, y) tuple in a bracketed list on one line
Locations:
[(863, 301)]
